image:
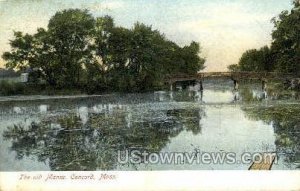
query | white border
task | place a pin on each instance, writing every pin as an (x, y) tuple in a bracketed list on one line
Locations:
[(158, 180)]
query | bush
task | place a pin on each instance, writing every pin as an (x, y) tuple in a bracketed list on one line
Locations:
[(8, 88)]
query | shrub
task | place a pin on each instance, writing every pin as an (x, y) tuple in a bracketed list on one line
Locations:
[(8, 88)]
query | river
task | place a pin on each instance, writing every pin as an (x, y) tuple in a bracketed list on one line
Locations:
[(87, 132)]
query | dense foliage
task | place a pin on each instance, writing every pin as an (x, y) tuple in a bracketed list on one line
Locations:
[(256, 60), (78, 50), (284, 53)]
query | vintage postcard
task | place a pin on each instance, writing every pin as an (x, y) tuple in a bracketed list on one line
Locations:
[(149, 95)]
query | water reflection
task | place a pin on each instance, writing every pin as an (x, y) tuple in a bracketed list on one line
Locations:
[(244, 94), (285, 120), (86, 133), (236, 95), (43, 109), (253, 95), (90, 140)]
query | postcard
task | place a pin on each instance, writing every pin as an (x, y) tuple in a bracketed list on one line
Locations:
[(149, 95)]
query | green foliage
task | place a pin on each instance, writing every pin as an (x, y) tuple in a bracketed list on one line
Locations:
[(188, 60), (59, 53), (78, 50), (256, 60), (233, 68), (286, 40), (8, 88), (284, 54), (69, 32)]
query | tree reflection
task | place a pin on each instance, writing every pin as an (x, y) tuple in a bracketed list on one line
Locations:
[(249, 95), (253, 94), (66, 143), (286, 122), (190, 119)]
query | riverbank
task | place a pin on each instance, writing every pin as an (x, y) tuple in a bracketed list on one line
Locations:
[(11, 90), (45, 97)]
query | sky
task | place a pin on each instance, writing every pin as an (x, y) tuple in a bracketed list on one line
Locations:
[(224, 28)]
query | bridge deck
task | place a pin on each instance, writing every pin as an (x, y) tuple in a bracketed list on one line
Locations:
[(232, 75)]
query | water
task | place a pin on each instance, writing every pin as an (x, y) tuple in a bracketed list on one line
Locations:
[(86, 133)]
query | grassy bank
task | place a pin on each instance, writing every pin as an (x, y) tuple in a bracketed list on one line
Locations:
[(9, 88)]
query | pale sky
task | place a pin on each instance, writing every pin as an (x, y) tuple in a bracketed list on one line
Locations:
[(225, 28)]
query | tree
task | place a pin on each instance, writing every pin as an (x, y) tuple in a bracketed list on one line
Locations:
[(146, 47), (149, 56), (286, 40), (118, 50), (152, 56), (70, 33), (189, 60), (31, 51), (60, 52), (103, 29), (78, 50), (256, 60), (284, 54), (233, 68)]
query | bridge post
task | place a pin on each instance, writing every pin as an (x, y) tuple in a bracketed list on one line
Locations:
[(235, 85), (201, 95), (264, 88), (263, 85), (201, 85), (171, 87), (171, 90)]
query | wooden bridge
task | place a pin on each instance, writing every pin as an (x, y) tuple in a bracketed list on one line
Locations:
[(231, 75), (234, 76)]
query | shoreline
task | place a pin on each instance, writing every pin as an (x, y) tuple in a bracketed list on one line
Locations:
[(47, 97)]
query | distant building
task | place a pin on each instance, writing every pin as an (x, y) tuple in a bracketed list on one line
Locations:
[(24, 77)]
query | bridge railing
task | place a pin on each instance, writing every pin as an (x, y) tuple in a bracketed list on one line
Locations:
[(256, 75)]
